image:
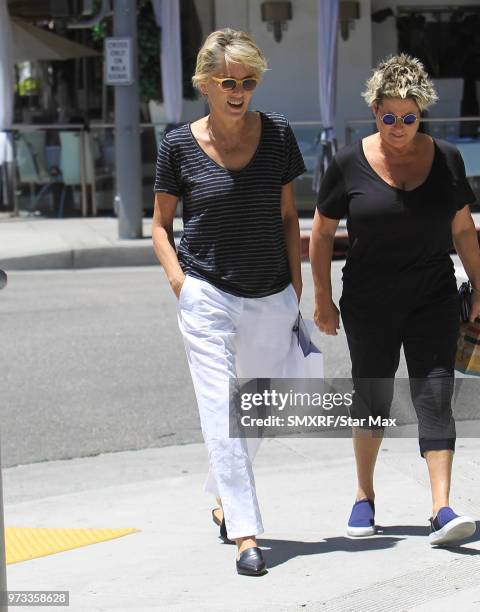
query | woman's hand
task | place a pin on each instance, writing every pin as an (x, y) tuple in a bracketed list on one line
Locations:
[(475, 306), (326, 316), (176, 284)]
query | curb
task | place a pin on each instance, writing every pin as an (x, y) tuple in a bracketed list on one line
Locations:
[(131, 255), (112, 257), (97, 257)]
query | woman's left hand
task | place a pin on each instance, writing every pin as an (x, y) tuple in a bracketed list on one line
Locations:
[(475, 306)]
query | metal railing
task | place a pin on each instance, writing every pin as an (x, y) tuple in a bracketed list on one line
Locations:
[(308, 135), (94, 162), (96, 165), (19, 129)]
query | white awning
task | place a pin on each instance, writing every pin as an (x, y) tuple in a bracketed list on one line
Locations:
[(167, 16), (31, 43)]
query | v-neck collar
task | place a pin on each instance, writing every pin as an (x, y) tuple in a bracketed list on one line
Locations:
[(230, 170), (375, 173)]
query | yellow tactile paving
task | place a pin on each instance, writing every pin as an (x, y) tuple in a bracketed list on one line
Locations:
[(24, 543)]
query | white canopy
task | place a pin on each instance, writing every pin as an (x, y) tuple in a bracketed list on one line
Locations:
[(167, 16), (327, 72), (327, 60), (31, 43)]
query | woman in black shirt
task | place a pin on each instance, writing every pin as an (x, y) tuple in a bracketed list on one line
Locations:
[(237, 272), (405, 195)]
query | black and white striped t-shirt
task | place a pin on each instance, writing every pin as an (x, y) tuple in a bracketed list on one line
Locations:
[(233, 231)]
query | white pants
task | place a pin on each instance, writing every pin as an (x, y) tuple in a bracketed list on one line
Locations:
[(227, 336)]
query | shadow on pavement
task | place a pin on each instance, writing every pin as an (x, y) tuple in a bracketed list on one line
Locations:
[(284, 550), (461, 550), (403, 530), (418, 530)]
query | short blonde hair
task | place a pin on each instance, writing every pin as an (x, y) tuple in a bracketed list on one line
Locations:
[(400, 76), (234, 47)]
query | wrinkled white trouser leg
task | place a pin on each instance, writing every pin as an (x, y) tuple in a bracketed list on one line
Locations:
[(227, 336), (263, 349)]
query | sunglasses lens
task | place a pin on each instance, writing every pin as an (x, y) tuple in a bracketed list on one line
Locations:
[(228, 84), (388, 119), (409, 119), (249, 84)]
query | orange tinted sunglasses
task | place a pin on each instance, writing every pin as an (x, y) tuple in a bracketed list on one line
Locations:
[(229, 83)]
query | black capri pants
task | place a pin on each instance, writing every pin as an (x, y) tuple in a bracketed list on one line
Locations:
[(428, 330)]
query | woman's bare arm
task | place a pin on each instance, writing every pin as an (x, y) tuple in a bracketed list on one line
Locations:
[(326, 314), (163, 240), (292, 236), (465, 240)]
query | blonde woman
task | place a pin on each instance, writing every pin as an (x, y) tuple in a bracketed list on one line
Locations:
[(405, 196), (237, 271)]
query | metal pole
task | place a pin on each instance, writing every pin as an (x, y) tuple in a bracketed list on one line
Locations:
[(8, 177), (83, 172), (13, 175), (127, 131)]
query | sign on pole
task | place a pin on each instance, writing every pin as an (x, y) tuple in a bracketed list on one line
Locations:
[(118, 61)]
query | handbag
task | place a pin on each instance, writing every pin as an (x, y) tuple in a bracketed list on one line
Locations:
[(465, 301), (467, 359)]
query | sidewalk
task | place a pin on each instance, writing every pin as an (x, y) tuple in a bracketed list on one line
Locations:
[(37, 243), (29, 243), (305, 487)]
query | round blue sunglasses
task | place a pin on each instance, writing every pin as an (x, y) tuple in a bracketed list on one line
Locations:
[(391, 119)]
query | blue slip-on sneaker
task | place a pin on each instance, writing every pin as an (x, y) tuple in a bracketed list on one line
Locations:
[(447, 527), (362, 519)]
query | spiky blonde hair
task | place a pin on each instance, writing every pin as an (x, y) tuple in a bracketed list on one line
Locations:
[(233, 46), (400, 76)]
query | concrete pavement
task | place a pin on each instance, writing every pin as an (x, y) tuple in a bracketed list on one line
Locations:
[(38, 243), (305, 487)]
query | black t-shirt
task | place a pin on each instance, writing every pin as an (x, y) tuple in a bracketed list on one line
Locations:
[(398, 239), (233, 230)]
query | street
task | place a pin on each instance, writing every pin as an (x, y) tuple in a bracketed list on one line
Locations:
[(93, 362)]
